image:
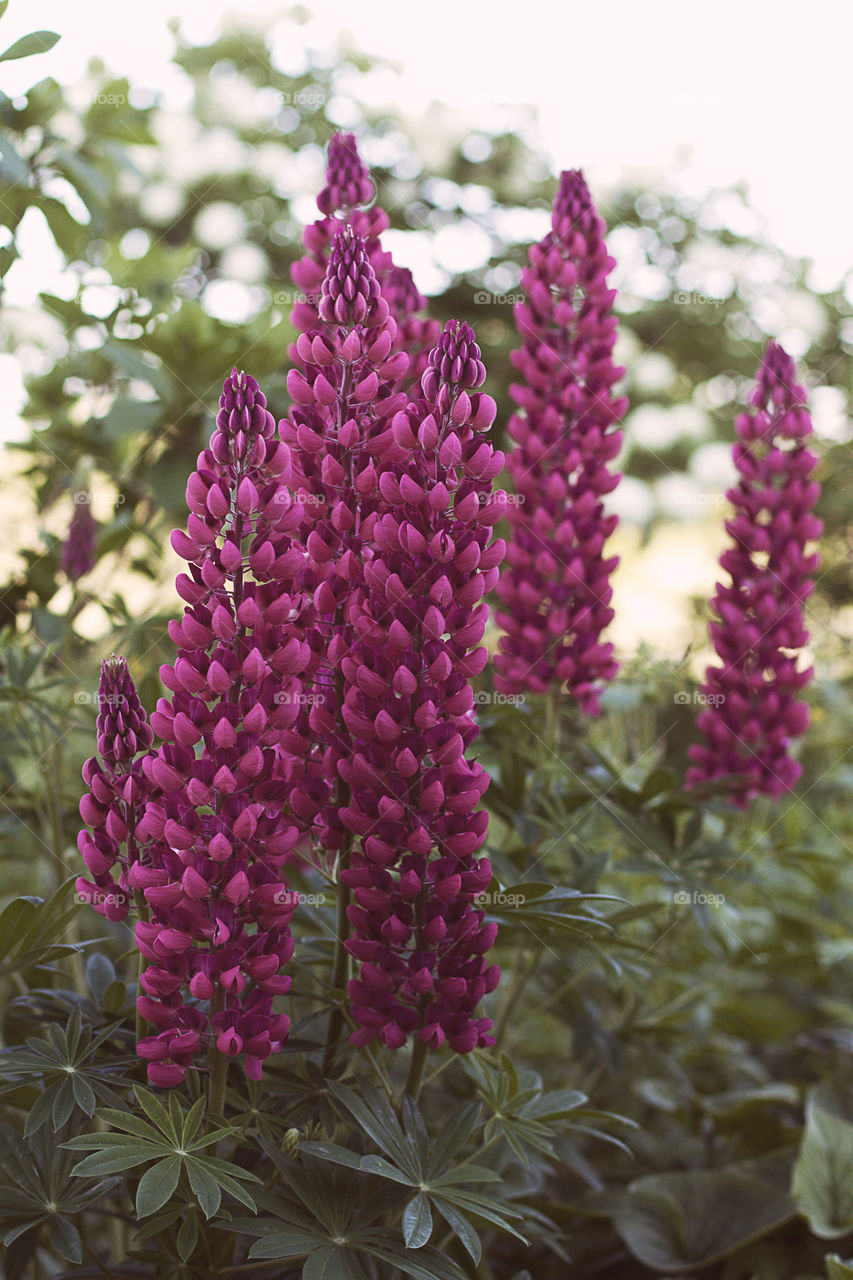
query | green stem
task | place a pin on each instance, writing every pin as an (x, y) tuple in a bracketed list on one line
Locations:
[(217, 1083), (415, 1077)]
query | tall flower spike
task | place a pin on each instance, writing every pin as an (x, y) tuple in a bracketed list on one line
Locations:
[(555, 588), (220, 826), (114, 804), (78, 551), (343, 401), (415, 796), (753, 710)]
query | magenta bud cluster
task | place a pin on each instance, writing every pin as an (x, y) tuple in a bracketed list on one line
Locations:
[(414, 793), (754, 710), (78, 555), (555, 589), (117, 791)]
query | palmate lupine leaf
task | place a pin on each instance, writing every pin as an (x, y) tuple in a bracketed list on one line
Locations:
[(177, 1153), (67, 1066), (30, 927), (35, 1190), (529, 1117), (430, 1169)]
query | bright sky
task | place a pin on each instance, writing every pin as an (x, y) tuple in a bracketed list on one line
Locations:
[(747, 88)]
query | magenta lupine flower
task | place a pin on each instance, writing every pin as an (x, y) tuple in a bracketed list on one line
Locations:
[(555, 587), (78, 552), (420, 940), (116, 799), (753, 710), (220, 825), (343, 399), (348, 183), (348, 186)]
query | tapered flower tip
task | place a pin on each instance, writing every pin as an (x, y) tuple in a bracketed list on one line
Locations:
[(777, 379), (123, 728), (351, 293), (348, 183), (243, 407), (455, 359), (572, 204), (78, 552)]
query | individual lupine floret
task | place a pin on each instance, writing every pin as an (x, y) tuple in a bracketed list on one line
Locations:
[(343, 399), (555, 588), (753, 710), (78, 556), (409, 706), (115, 802), (220, 824)]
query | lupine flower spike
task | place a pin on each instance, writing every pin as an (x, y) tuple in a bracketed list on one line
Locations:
[(78, 551), (219, 825), (753, 709), (343, 398), (115, 802), (555, 589), (409, 704)]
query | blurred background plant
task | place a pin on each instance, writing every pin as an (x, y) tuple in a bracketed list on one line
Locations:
[(706, 991)]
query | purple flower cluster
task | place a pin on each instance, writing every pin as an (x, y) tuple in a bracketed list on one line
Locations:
[(118, 789), (408, 707), (348, 186), (77, 557), (555, 588), (753, 709), (218, 825), (343, 396)]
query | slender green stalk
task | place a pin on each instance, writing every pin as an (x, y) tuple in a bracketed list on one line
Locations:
[(416, 1068), (217, 1083)]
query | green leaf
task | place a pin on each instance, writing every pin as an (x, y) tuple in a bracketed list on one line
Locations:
[(673, 1222), (333, 1263), (465, 1232), (417, 1222), (65, 1239), (334, 1153), (155, 1111), (36, 42), (837, 1268), (100, 1163), (286, 1244), (157, 1185), (188, 1237), (204, 1186), (382, 1168), (823, 1172)]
